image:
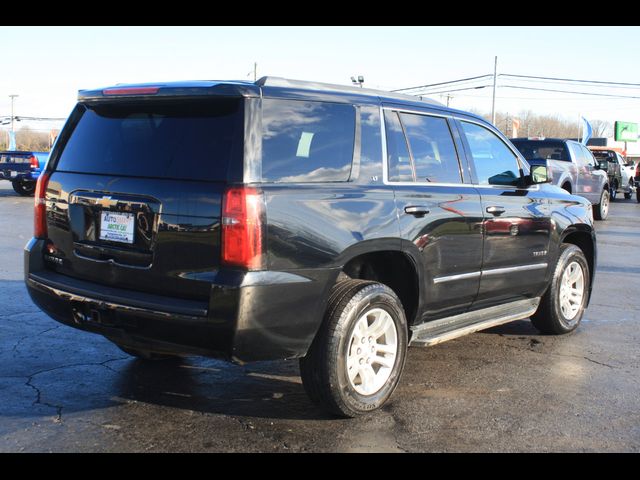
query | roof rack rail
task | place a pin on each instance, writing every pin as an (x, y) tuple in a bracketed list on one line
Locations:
[(269, 81)]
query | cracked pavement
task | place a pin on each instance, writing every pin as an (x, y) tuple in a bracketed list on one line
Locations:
[(505, 389)]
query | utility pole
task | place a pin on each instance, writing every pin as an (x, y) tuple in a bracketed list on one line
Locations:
[(449, 97), (13, 97), (493, 98), (255, 71)]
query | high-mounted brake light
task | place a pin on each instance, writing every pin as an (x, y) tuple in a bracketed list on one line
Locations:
[(34, 161), (39, 213), (242, 235), (131, 91)]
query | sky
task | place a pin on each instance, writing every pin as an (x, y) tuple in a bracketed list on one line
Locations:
[(46, 66)]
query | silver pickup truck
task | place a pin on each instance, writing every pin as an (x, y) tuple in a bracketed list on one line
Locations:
[(573, 168)]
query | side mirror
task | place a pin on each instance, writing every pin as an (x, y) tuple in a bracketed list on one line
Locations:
[(540, 171)]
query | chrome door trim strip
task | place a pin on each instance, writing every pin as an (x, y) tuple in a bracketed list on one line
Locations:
[(493, 271), (520, 268), (453, 278)]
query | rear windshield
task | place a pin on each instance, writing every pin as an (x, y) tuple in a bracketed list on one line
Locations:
[(543, 149), (189, 139)]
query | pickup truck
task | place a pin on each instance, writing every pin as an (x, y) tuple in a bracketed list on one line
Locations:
[(573, 168), (22, 169), (619, 170)]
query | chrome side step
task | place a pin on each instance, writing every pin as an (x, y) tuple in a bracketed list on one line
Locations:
[(431, 333)]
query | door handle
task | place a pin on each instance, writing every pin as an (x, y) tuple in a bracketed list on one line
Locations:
[(496, 210), (416, 210)]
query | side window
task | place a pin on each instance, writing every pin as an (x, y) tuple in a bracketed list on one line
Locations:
[(434, 154), (495, 163), (577, 154), (588, 156), (370, 144), (398, 159), (306, 141)]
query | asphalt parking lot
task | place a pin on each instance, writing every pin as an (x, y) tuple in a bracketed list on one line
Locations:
[(505, 389)]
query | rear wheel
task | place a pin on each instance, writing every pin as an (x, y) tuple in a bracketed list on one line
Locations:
[(25, 188), (563, 304), (638, 194), (355, 361), (601, 210)]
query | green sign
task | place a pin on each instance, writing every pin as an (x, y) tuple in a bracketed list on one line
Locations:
[(626, 132)]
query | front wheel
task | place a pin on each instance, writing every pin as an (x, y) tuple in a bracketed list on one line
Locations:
[(638, 194), (563, 304), (627, 194), (354, 363), (601, 210), (24, 188), (614, 191)]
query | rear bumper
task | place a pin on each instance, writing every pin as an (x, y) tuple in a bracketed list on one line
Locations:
[(249, 315)]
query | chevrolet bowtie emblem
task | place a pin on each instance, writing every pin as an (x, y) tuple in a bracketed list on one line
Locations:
[(106, 202)]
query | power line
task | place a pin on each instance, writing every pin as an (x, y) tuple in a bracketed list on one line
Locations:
[(426, 94), (570, 80), (442, 83), (569, 91)]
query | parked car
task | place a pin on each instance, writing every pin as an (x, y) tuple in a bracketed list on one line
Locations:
[(621, 172), (287, 219), (573, 168), (22, 169)]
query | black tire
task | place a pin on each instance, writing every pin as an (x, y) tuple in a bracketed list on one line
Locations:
[(24, 188), (549, 318), (601, 210), (147, 354), (627, 195), (324, 368), (613, 192), (638, 194)]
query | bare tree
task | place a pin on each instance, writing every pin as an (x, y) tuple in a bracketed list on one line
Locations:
[(537, 125), (27, 139), (601, 128)]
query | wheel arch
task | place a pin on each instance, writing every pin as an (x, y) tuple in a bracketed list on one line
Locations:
[(583, 237), (390, 264)]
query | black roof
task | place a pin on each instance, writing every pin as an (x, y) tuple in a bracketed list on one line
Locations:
[(271, 87)]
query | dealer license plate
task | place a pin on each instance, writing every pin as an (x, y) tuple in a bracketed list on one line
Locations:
[(117, 227)]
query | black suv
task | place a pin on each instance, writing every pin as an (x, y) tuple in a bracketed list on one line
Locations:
[(283, 219)]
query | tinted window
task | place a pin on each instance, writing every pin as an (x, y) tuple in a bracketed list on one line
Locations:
[(370, 144), (542, 149), (189, 139), (587, 156), (306, 141), (495, 163), (398, 159), (434, 154)]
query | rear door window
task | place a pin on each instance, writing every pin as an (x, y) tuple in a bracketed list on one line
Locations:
[(398, 157), (189, 139), (306, 141), (434, 154)]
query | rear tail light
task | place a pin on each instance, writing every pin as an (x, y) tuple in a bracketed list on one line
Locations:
[(34, 161), (638, 170), (242, 228), (39, 213)]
